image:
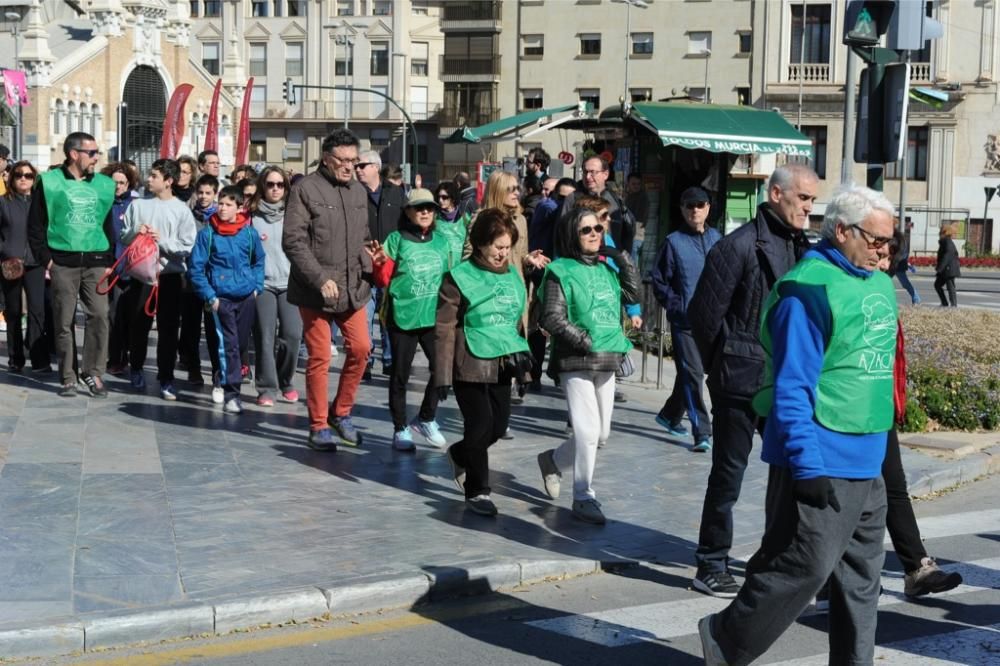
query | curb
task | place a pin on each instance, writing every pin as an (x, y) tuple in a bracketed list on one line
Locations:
[(932, 478), (351, 597)]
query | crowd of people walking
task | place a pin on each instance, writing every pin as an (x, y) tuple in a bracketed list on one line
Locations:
[(800, 344)]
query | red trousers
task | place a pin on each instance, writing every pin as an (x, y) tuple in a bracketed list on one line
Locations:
[(357, 347)]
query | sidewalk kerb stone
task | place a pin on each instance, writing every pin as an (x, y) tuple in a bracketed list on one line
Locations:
[(536, 571), (51, 641), (381, 593), (149, 626), (275, 608), (472, 579)]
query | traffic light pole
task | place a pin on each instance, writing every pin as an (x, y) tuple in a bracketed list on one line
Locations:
[(413, 129)]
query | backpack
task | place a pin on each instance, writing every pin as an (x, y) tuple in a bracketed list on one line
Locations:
[(141, 262)]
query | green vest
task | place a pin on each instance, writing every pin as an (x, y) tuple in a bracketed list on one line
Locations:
[(496, 302), (594, 302), (455, 233), (416, 280), (76, 210), (855, 390)]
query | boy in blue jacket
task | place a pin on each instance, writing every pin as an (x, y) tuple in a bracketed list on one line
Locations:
[(227, 271)]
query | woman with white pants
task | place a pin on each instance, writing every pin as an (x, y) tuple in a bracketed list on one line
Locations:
[(582, 296)]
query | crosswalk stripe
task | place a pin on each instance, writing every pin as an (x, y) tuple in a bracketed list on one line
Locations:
[(672, 619)]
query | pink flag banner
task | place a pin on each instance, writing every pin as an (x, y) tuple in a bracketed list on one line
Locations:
[(173, 124), (212, 131), (243, 135), (16, 87)]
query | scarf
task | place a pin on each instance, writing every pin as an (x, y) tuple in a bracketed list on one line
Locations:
[(448, 216), (273, 213), (229, 228)]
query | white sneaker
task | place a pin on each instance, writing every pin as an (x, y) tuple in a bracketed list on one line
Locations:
[(233, 406), (333, 350), (218, 395)]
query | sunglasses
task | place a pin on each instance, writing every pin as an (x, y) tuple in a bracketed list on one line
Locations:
[(425, 208), (596, 229), (362, 165), (275, 185), (444, 197), (89, 153), (695, 204), (513, 188), (874, 242), (26, 175), (604, 216)]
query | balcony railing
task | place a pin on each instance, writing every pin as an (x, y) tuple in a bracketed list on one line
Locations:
[(920, 72), (329, 109), (464, 66), (809, 72), (470, 117), (471, 11)]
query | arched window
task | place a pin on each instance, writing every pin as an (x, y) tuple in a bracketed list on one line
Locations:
[(95, 120), (60, 124), (224, 126), (84, 121), (72, 116)]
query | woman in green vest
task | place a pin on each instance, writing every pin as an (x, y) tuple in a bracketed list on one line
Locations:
[(410, 265), (581, 310), (449, 223), (479, 348)]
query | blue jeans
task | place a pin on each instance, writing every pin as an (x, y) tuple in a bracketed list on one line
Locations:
[(374, 304)]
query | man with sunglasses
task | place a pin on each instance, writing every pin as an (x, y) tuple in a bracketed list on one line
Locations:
[(386, 203), (325, 238), (829, 330), (70, 231), (675, 275), (724, 314)]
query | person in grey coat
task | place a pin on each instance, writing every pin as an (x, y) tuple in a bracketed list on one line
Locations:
[(276, 357)]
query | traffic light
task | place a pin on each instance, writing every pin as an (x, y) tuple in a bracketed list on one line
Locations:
[(865, 21), (288, 92)]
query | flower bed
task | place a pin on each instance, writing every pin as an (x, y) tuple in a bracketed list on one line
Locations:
[(964, 262), (953, 380)]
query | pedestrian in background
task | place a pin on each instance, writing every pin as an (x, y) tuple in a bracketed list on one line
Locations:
[(184, 188), (900, 267), (479, 349), (193, 312), (948, 267), (451, 225), (22, 273), (126, 180), (276, 357), (675, 276), (582, 311)]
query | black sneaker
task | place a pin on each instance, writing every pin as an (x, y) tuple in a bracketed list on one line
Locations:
[(481, 504), (620, 397), (387, 369), (717, 584), (95, 386), (68, 390)]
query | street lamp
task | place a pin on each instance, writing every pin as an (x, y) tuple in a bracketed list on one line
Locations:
[(708, 56), (16, 18), (348, 44), (990, 191), (401, 77), (629, 4)]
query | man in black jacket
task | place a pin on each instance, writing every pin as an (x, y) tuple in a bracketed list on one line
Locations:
[(385, 215), (724, 314)]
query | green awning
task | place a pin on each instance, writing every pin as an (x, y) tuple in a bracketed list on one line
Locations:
[(505, 128), (721, 129)]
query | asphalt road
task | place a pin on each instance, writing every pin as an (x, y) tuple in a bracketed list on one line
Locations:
[(979, 289), (640, 615)]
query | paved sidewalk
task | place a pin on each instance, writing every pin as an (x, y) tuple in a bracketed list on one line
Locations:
[(133, 519)]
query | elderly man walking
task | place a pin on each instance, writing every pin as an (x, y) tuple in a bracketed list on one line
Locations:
[(69, 229), (829, 330), (326, 231), (724, 314)]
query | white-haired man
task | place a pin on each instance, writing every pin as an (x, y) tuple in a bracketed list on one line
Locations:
[(829, 330)]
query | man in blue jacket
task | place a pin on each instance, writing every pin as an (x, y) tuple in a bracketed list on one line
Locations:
[(675, 275), (829, 332)]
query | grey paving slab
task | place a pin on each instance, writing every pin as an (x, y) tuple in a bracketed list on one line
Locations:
[(117, 556), (102, 593)]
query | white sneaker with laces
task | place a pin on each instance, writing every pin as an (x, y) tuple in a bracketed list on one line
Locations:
[(218, 395)]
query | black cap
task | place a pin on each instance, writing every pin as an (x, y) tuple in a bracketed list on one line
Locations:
[(693, 194)]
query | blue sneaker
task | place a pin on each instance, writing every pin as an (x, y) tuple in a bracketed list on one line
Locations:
[(430, 431), (402, 440), (675, 429), (702, 446), (322, 440), (345, 430), (137, 379)]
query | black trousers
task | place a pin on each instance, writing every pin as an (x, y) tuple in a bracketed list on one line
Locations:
[(486, 415), (900, 521), (536, 343), (404, 348), (687, 393), (733, 424), (33, 285), (233, 323), (192, 315), (168, 316), (940, 284), (120, 314)]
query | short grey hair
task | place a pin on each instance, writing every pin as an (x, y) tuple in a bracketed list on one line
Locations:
[(786, 175), (851, 205), (371, 157)]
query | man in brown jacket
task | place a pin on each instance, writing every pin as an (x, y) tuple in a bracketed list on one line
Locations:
[(326, 231)]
